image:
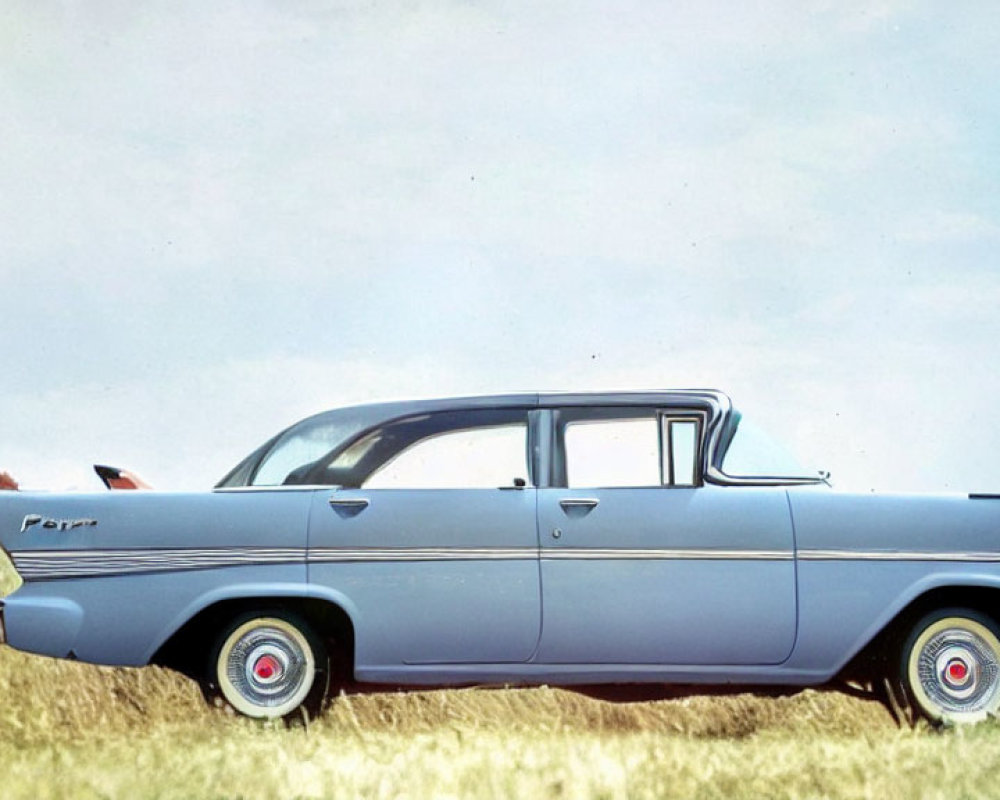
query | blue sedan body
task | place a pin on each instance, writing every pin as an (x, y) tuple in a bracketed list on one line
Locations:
[(709, 578)]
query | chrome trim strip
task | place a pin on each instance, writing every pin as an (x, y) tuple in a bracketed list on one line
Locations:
[(147, 552), (896, 555), (332, 555), (44, 564), (50, 564), (299, 487), (336, 554), (723, 479), (662, 554)]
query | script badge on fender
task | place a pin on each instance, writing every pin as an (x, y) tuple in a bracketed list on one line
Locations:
[(30, 520)]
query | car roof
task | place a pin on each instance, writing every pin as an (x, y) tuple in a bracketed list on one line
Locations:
[(356, 419), (550, 398), (367, 415), (634, 397)]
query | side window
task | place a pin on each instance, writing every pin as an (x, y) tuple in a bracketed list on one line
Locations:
[(486, 457), (608, 448), (612, 452), (681, 440)]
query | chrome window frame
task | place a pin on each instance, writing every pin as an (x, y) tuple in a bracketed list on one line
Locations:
[(665, 422)]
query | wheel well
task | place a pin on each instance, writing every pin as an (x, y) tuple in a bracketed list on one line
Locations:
[(877, 658), (189, 648)]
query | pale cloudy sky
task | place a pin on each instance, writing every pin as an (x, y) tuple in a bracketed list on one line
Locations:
[(216, 218)]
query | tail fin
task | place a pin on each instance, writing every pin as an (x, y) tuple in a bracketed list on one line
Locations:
[(115, 478)]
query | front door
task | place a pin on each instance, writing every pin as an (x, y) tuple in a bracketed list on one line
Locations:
[(643, 564)]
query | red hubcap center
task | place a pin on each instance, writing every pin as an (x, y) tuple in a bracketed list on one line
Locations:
[(266, 667), (957, 671)]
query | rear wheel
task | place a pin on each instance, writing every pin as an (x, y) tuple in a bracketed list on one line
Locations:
[(951, 666), (268, 665)]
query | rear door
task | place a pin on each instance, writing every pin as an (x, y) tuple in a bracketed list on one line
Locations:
[(641, 563), (435, 553)]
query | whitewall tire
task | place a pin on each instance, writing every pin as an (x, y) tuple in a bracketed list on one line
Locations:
[(951, 666), (266, 666)]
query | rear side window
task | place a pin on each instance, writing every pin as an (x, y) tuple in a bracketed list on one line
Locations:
[(473, 458), (472, 448)]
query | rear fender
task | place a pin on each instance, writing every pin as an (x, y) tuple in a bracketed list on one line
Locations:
[(245, 591)]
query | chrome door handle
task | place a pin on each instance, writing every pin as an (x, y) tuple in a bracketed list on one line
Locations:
[(358, 503), (348, 506), (578, 503)]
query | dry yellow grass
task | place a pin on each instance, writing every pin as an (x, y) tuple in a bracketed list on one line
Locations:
[(9, 579), (49, 700), (74, 730)]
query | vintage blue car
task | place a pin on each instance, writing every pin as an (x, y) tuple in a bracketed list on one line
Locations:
[(520, 539)]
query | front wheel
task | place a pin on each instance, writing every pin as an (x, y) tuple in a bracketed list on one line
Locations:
[(267, 665), (951, 666)]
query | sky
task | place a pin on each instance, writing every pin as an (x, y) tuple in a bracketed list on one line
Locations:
[(216, 218)]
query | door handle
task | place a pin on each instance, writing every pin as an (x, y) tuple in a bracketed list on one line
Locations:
[(578, 505), (348, 507)]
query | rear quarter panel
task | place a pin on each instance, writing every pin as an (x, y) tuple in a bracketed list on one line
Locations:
[(113, 592)]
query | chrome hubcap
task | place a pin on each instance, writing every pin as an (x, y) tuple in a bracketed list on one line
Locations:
[(266, 666), (958, 670)]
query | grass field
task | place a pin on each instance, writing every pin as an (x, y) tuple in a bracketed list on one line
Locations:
[(73, 730)]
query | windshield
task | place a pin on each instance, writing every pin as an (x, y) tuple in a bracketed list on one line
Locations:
[(752, 453)]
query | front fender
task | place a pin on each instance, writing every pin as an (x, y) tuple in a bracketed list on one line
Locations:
[(913, 592), (845, 605)]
